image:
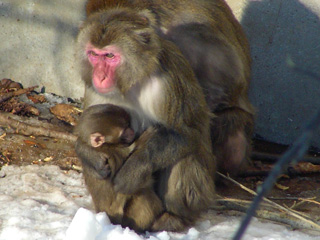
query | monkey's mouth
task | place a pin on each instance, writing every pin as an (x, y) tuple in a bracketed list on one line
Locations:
[(103, 84), (104, 90)]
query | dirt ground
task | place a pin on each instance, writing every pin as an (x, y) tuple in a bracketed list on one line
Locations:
[(292, 187)]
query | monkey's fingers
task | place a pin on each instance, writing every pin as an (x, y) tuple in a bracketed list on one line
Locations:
[(104, 172), (99, 163), (102, 165)]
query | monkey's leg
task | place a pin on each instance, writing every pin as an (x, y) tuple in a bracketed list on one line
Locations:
[(142, 210), (104, 198), (186, 189), (232, 130)]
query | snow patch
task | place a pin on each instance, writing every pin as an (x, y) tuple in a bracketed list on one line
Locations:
[(44, 202)]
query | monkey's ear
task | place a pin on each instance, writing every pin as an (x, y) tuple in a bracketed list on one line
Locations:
[(148, 17), (148, 20), (127, 136), (143, 35), (97, 139)]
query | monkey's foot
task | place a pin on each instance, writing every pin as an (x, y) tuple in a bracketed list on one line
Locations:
[(168, 222)]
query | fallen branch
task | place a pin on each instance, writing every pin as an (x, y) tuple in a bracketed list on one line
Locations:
[(303, 201), (302, 168), (268, 214), (272, 158), (289, 211), (291, 198), (309, 201), (5, 96), (27, 129)]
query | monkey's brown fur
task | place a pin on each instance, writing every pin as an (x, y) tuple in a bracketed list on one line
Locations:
[(137, 211), (215, 45), (156, 84)]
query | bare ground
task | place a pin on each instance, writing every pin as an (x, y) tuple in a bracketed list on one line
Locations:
[(298, 189)]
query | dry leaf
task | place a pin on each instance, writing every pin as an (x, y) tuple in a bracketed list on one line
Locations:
[(66, 112), (8, 84), (34, 144), (48, 159), (281, 187), (306, 167), (37, 98)]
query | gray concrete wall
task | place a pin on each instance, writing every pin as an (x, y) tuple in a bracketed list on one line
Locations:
[(37, 39), (36, 43), (285, 99)]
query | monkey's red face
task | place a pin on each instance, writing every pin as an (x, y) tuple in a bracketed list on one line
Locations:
[(104, 63)]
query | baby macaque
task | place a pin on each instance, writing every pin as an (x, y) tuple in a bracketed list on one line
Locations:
[(106, 127)]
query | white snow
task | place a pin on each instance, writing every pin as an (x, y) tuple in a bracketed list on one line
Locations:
[(47, 203)]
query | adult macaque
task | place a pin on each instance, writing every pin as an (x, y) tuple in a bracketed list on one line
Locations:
[(130, 56), (107, 128)]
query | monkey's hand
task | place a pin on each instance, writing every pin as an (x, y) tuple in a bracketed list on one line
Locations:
[(92, 159)]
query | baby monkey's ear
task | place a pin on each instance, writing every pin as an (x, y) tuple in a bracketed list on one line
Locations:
[(97, 139)]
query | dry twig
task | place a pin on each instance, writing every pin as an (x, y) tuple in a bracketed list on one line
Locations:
[(286, 215), (289, 211), (4, 97)]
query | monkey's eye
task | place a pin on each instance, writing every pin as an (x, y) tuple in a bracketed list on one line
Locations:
[(92, 53), (109, 55)]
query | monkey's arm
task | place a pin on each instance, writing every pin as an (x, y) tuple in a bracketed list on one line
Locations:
[(155, 150)]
